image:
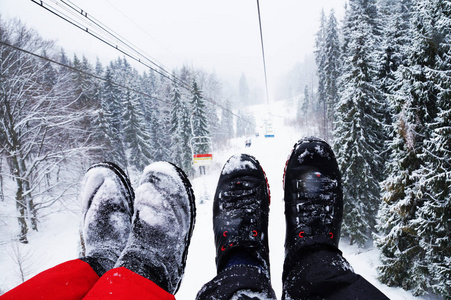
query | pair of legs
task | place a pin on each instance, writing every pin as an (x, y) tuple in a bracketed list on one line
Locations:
[(137, 242), (314, 267)]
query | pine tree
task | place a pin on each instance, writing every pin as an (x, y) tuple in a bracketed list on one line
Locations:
[(111, 105), (434, 185), (199, 117), (185, 140), (305, 108), (159, 153), (99, 124), (320, 57), (414, 241), (176, 128), (213, 94), (358, 131), (331, 70), (135, 130)]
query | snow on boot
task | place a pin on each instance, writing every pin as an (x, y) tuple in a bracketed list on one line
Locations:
[(240, 212), (162, 225), (107, 208), (313, 196)]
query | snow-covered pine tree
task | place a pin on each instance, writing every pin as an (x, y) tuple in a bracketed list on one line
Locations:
[(199, 116), (398, 192), (111, 120), (357, 136), (85, 90), (97, 136), (414, 218), (213, 94), (149, 87), (157, 135), (176, 128), (395, 17), (320, 57), (82, 82), (305, 108), (136, 136), (331, 70), (433, 218), (185, 140)]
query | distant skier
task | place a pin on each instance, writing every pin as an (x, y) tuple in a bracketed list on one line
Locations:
[(137, 242), (248, 143)]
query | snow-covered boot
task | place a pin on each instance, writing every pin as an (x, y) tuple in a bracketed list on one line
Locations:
[(313, 196), (162, 225), (313, 211), (107, 208), (240, 213)]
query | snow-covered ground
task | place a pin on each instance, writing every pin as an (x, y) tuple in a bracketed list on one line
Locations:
[(58, 238)]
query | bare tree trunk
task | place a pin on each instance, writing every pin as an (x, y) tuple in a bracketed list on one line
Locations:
[(27, 198), (20, 202)]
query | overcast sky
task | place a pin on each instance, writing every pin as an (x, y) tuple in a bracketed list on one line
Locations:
[(221, 36)]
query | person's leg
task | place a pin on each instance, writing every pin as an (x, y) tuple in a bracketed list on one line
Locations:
[(107, 208), (107, 199), (70, 280), (240, 224), (314, 267), (153, 261)]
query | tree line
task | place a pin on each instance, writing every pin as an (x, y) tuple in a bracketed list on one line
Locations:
[(58, 115), (384, 101)]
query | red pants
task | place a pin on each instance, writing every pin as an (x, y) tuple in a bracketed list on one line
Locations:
[(75, 280)]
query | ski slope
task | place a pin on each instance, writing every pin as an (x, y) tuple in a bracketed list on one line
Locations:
[(272, 154), (58, 238)]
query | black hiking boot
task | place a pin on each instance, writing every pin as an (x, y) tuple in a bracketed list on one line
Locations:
[(240, 213), (162, 225), (313, 197), (107, 208)]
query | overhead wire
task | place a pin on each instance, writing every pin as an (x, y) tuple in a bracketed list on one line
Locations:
[(116, 36), (167, 50), (263, 51), (83, 13), (77, 20), (83, 72), (76, 12), (99, 36)]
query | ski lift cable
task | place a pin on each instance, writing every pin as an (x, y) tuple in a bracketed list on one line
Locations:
[(82, 72), (109, 31), (170, 77), (263, 51), (79, 12), (144, 31), (95, 76), (161, 69), (103, 39)]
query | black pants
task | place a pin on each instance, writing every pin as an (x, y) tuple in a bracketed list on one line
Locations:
[(319, 274)]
